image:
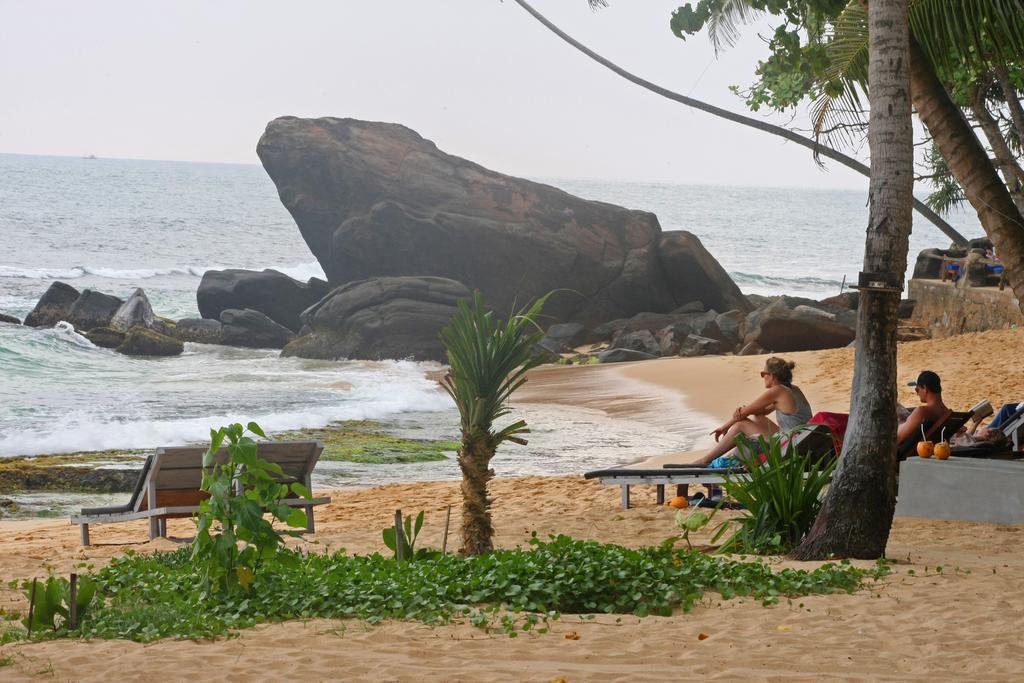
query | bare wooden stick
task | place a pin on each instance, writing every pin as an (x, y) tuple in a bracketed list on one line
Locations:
[(444, 541), (399, 537), (74, 601), (31, 607)]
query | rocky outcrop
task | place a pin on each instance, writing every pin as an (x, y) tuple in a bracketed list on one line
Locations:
[(199, 330), (53, 306), (253, 330), (272, 293), (105, 337), (565, 337), (135, 311), (144, 342), (389, 317), (377, 200), (9, 319), (93, 309), (796, 324)]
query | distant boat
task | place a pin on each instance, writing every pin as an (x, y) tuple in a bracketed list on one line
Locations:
[(89, 156)]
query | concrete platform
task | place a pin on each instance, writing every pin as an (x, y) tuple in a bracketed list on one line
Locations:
[(965, 489)]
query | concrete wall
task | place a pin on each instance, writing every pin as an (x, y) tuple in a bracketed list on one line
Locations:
[(946, 309)]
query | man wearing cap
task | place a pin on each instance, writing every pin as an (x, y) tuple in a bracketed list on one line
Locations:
[(929, 390)]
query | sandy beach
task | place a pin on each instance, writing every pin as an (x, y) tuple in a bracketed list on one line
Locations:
[(920, 623)]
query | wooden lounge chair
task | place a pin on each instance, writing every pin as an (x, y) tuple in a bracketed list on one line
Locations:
[(952, 423), (168, 486), (813, 440)]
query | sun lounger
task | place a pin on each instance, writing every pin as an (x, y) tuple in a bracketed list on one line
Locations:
[(169, 486), (934, 431), (814, 440)]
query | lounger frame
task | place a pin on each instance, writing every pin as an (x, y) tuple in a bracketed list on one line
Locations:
[(170, 481)]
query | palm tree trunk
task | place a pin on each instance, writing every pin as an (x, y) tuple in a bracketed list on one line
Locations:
[(971, 167), (1012, 101), (818, 148), (856, 515), (477, 530), (1013, 174)]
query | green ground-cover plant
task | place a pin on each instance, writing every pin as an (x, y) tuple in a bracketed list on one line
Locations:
[(781, 496), (241, 488), (145, 597)]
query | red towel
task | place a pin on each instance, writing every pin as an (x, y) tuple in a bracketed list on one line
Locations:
[(836, 423)]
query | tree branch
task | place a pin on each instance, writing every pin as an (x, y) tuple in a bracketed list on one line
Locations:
[(757, 124)]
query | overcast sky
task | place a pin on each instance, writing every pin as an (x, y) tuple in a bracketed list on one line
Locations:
[(190, 80)]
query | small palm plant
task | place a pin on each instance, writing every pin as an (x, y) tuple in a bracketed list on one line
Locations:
[(489, 359)]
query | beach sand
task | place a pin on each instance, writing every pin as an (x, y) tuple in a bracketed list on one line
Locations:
[(918, 624)]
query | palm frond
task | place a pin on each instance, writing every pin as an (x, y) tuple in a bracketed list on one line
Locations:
[(489, 360), (954, 33), (726, 18)]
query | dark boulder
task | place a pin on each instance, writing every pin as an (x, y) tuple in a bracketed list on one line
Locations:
[(730, 325), (640, 321), (795, 324), (623, 356), (135, 311), (695, 345), (388, 317), (9, 319), (701, 324), (693, 273), (253, 330), (93, 309), (272, 293), (105, 337), (199, 330), (847, 300), (692, 307), (376, 200), (143, 342), (566, 336), (641, 340), (929, 262), (53, 306)]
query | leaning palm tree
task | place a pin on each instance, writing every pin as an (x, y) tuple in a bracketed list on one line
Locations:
[(489, 359)]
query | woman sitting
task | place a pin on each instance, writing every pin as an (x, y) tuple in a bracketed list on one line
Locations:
[(789, 403)]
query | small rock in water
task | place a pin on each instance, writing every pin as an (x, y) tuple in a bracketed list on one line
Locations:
[(10, 319), (254, 330), (142, 342), (53, 306), (105, 337), (200, 330), (93, 309), (135, 311)]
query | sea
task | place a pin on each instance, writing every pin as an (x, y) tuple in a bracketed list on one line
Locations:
[(114, 225)]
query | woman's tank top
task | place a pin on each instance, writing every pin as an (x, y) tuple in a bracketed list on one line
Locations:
[(790, 421)]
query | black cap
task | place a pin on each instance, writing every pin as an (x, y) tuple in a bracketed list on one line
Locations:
[(929, 380)]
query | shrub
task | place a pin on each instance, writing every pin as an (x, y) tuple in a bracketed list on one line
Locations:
[(238, 512), (782, 496)]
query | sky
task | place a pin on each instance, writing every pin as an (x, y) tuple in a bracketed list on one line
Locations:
[(198, 81)]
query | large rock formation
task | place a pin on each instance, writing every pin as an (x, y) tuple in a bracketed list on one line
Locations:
[(53, 306), (389, 317), (272, 293), (376, 199)]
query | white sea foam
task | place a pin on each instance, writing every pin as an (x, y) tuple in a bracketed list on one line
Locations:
[(299, 271), (65, 331)]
